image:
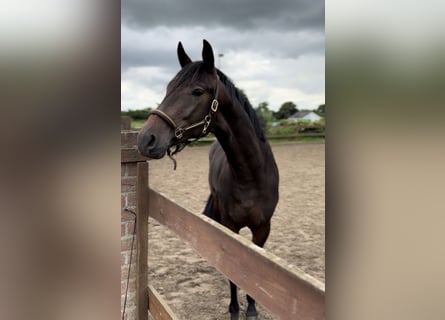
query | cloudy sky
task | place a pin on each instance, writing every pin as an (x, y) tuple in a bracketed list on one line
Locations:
[(273, 50)]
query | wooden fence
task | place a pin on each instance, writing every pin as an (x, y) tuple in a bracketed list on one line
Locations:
[(286, 292)]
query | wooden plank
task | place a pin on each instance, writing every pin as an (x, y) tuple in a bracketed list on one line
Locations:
[(159, 309), (129, 139), (142, 242), (131, 155), (287, 292)]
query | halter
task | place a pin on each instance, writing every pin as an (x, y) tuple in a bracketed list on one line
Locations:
[(179, 131)]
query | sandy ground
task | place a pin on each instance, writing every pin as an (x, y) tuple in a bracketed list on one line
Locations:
[(192, 288)]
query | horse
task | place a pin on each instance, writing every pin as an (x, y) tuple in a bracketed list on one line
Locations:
[(243, 174)]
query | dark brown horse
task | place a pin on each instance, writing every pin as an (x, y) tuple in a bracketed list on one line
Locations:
[(243, 174)]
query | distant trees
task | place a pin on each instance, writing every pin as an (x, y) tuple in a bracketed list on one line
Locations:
[(286, 110), (268, 116), (264, 114), (321, 110), (141, 114)]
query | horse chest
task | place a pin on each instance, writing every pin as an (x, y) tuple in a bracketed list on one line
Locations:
[(239, 205)]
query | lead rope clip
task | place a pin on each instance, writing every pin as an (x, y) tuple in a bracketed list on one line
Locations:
[(170, 155)]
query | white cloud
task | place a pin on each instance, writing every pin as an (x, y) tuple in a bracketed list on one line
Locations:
[(277, 80), (143, 87)]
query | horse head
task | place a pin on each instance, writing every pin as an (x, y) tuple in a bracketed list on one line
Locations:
[(186, 111)]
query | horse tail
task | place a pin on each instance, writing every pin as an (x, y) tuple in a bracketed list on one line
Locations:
[(210, 211)]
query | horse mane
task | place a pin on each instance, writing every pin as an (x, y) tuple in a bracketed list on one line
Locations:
[(239, 95), (192, 71)]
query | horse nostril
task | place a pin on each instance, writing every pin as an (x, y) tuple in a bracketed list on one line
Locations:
[(151, 141)]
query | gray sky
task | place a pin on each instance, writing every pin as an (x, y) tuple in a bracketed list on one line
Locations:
[(273, 50)]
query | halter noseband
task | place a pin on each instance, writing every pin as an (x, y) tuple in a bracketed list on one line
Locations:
[(179, 131)]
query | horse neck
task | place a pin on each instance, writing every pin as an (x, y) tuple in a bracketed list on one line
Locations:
[(236, 134)]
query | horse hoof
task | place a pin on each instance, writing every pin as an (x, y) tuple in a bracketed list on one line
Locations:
[(234, 316), (251, 313)]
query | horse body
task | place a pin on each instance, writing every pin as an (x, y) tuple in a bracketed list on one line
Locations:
[(243, 175), (243, 178), (239, 203)]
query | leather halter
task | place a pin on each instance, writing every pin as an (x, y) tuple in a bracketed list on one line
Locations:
[(179, 131)]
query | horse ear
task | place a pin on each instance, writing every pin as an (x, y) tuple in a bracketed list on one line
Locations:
[(182, 56), (207, 55)]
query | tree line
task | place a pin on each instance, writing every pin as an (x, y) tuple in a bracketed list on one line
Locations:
[(140, 114), (286, 110), (265, 115)]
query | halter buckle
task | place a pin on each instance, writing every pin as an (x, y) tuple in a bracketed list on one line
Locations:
[(207, 121), (179, 132), (214, 105)]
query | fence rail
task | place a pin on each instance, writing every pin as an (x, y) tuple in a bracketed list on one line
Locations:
[(287, 292)]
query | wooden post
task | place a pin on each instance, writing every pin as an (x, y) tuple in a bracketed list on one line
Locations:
[(125, 123), (142, 241)]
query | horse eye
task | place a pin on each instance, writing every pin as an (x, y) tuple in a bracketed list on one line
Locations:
[(198, 92)]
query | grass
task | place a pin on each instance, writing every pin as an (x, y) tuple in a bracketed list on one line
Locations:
[(137, 124)]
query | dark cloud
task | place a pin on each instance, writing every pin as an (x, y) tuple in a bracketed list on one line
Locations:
[(247, 14), (281, 28), (157, 46), (146, 57), (275, 49)]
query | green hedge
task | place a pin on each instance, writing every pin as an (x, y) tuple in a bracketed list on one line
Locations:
[(141, 114)]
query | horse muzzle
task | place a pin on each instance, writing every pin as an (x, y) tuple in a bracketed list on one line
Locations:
[(153, 144)]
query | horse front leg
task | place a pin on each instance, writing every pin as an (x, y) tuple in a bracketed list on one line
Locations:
[(260, 236), (233, 306)]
